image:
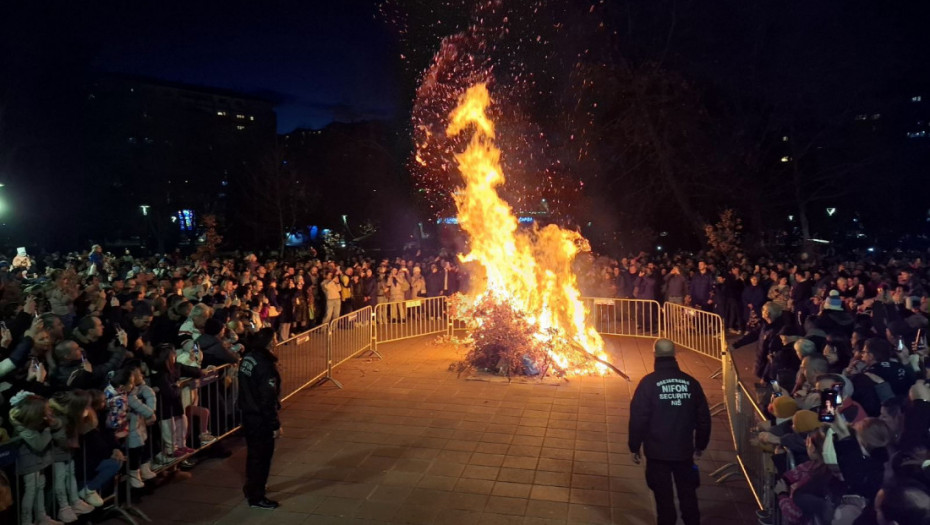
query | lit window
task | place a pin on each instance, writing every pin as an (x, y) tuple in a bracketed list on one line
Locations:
[(186, 220), (221, 113), (240, 127), (785, 138), (918, 98), (251, 117), (240, 116)]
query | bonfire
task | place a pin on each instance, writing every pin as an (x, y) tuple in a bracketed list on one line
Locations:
[(524, 309)]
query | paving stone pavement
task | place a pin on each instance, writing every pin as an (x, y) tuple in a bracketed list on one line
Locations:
[(407, 441)]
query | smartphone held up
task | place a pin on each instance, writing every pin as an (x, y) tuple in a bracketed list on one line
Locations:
[(830, 400)]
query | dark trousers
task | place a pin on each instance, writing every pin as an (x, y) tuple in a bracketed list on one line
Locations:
[(259, 444), (659, 476)]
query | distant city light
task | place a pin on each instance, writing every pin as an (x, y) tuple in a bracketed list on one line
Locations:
[(186, 220), (820, 241), (870, 250), (790, 218), (659, 248), (831, 211), (786, 158), (145, 209)]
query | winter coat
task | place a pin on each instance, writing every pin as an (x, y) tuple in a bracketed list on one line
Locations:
[(755, 296), (808, 478), (767, 342), (63, 445), (433, 284), (675, 285), (780, 294), (118, 411), (669, 415), (645, 288), (417, 286), (332, 290), (142, 406), (214, 352), (95, 446), (370, 290), (35, 452), (61, 377), (863, 474), (398, 286), (701, 286), (259, 391), (286, 304), (832, 321), (186, 352)]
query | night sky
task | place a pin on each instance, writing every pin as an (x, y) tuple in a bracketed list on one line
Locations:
[(321, 61)]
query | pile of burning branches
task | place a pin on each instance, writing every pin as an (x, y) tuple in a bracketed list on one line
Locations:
[(505, 341)]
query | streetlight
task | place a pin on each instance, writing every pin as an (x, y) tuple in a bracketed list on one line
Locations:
[(145, 210)]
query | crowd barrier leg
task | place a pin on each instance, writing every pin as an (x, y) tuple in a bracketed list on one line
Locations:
[(373, 323), (329, 359)]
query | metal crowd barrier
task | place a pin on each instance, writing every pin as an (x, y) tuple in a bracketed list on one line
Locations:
[(627, 317), (303, 360), (694, 329), (744, 416), (406, 319)]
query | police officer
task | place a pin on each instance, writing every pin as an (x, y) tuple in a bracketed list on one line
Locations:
[(670, 418), (259, 390)]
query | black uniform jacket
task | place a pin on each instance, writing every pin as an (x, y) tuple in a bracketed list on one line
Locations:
[(259, 390), (669, 414)]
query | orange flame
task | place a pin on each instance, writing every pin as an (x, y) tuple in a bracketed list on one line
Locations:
[(532, 270)]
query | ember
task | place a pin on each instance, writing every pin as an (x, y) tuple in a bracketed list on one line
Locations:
[(525, 310)]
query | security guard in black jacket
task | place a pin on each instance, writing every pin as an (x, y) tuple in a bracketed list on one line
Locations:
[(669, 415), (259, 391)]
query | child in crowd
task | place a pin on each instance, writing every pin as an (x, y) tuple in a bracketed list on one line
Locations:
[(33, 421), (69, 408)]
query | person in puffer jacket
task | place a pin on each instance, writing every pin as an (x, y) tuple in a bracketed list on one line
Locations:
[(142, 407)]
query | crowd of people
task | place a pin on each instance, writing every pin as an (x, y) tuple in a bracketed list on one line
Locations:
[(841, 356), (96, 349)]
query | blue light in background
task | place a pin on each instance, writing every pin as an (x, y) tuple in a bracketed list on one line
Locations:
[(186, 220)]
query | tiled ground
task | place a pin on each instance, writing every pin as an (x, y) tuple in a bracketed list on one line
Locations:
[(406, 441)]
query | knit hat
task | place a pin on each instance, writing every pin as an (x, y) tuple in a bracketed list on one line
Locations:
[(784, 407), (805, 421), (834, 301)]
